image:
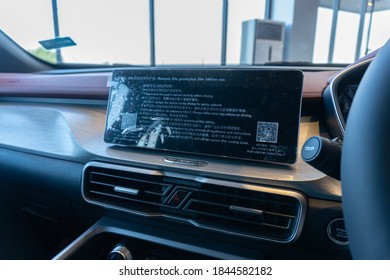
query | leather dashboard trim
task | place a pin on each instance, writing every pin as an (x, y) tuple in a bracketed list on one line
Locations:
[(95, 85), (77, 86)]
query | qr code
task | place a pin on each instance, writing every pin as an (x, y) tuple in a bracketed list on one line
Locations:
[(267, 132), (129, 121)]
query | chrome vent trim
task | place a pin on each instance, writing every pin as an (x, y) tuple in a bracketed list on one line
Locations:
[(246, 210)]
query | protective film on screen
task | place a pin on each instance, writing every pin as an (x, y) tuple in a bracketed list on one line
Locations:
[(248, 114)]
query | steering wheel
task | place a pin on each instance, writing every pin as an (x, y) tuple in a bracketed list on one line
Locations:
[(365, 163)]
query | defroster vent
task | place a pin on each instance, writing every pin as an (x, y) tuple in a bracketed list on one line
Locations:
[(233, 208)]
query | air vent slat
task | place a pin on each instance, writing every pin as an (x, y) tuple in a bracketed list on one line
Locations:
[(131, 182), (246, 210), (219, 211), (250, 210), (250, 200), (105, 186), (119, 199), (225, 214), (126, 190)]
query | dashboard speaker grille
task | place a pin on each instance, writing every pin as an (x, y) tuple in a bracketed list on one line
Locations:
[(245, 210)]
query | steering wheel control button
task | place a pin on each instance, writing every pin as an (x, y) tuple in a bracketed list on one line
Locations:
[(337, 233)]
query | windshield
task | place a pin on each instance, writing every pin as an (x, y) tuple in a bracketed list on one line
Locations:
[(198, 32)]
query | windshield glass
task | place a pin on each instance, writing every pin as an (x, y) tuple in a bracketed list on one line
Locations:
[(198, 32)]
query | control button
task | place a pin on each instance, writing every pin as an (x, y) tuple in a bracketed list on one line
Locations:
[(120, 252), (311, 148), (337, 232), (323, 154), (178, 198)]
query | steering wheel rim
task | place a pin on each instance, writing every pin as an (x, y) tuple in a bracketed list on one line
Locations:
[(365, 163)]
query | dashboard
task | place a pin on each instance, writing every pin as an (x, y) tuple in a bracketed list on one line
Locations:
[(92, 196)]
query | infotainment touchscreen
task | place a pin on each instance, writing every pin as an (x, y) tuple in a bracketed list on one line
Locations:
[(244, 113)]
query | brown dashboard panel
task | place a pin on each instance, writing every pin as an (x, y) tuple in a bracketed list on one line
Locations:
[(77, 86), (95, 85)]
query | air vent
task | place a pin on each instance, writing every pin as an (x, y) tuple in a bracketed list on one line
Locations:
[(245, 210), (122, 188)]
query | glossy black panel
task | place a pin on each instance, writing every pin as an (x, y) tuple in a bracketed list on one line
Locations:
[(239, 113)]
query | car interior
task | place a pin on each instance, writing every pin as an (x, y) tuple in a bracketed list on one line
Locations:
[(262, 159)]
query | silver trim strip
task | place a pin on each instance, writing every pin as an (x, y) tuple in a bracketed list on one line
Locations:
[(185, 161), (298, 196)]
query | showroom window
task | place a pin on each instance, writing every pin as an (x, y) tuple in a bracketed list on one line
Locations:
[(349, 29), (107, 32), (196, 32), (188, 31)]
